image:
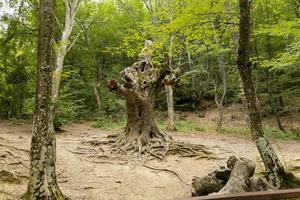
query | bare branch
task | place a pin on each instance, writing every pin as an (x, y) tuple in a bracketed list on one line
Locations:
[(74, 41), (58, 24)]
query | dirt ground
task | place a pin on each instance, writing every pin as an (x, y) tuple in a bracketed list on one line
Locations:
[(82, 178)]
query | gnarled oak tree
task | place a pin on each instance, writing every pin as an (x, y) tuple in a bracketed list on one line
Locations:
[(138, 85)]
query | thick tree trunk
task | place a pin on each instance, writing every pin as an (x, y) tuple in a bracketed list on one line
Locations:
[(138, 86), (42, 177), (274, 169), (141, 125)]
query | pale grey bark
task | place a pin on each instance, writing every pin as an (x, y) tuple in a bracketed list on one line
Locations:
[(170, 104), (64, 45), (193, 93), (169, 93), (169, 88)]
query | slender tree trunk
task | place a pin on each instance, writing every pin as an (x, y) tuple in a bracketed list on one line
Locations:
[(192, 89), (96, 86), (42, 183), (169, 88), (274, 169), (221, 101), (71, 8), (223, 73), (273, 105), (170, 103)]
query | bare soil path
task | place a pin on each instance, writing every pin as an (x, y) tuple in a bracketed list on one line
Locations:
[(80, 178)]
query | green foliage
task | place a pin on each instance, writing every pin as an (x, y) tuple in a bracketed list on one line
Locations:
[(111, 35), (110, 122)]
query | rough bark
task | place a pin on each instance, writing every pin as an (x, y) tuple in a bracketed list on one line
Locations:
[(275, 172), (42, 177), (138, 86)]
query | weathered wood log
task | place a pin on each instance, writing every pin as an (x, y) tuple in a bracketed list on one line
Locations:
[(229, 179), (258, 184), (243, 169), (213, 182), (261, 195)]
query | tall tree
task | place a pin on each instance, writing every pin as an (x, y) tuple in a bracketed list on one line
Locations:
[(63, 46), (169, 88), (275, 172), (42, 177)]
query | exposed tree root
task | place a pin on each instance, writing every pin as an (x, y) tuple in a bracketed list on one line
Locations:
[(76, 152), (18, 163), (15, 148), (106, 162), (155, 147), (166, 170), (6, 176)]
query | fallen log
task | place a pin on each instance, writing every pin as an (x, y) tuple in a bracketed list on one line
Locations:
[(243, 169), (213, 182), (229, 179), (261, 195)]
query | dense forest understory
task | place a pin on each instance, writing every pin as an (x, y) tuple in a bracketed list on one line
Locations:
[(148, 87)]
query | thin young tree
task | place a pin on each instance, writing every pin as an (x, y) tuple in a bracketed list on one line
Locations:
[(42, 183), (63, 46), (275, 172)]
